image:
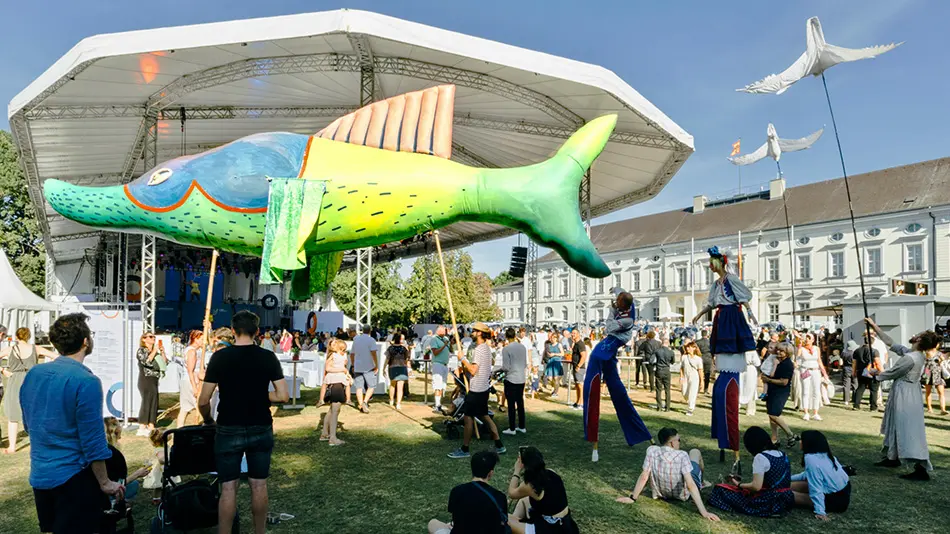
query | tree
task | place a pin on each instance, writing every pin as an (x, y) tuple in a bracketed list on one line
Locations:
[(503, 278), (19, 231), (471, 292), (388, 298)]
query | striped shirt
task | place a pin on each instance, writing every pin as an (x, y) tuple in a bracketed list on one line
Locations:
[(481, 357)]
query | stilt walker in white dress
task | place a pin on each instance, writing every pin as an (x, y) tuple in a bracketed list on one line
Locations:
[(730, 340)]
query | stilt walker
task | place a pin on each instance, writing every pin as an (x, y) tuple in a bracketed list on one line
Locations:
[(602, 366), (731, 338)]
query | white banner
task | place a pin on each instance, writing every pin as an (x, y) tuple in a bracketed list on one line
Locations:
[(106, 361)]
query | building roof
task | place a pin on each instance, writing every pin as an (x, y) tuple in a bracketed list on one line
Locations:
[(908, 187), (516, 283), (88, 118)]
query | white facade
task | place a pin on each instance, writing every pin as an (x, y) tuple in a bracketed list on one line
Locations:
[(674, 278), (508, 298)]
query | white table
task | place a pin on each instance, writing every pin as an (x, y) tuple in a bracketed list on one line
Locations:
[(295, 393)]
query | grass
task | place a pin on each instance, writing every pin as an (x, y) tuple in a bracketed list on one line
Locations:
[(392, 476)]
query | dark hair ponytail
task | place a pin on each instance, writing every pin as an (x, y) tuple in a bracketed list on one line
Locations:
[(814, 442)]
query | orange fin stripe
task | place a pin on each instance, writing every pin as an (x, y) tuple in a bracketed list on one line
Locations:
[(184, 198), (420, 121)]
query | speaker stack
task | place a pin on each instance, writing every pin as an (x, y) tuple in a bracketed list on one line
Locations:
[(519, 259)]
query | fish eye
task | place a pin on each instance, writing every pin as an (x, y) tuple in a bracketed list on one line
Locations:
[(160, 176)]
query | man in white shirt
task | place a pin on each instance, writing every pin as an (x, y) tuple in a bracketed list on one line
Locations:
[(466, 340), (365, 367), (673, 474), (476, 400)]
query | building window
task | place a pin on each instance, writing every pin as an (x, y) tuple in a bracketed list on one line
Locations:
[(636, 282), (709, 277), (583, 286), (655, 282), (837, 264), (773, 270), (548, 312), (803, 241), (618, 280), (913, 228), (804, 306), (600, 314), (681, 277), (873, 232), (804, 267), (773, 313), (600, 286), (564, 288), (548, 289), (563, 313), (874, 264), (837, 236), (773, 245), (656, 313), (915, 257)]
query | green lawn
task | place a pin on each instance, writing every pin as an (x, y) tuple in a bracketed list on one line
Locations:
[(392, 476)]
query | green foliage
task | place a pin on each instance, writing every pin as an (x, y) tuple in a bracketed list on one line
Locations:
[(471, 292), (19, 232), (503, 278), (389, 303)]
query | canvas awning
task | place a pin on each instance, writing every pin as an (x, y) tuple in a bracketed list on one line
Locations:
[(14, 295)]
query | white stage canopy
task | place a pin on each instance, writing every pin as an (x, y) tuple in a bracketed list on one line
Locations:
[(116, 101), (18, 305)]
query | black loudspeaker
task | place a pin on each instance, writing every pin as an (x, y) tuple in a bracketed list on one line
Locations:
[(519, 259)]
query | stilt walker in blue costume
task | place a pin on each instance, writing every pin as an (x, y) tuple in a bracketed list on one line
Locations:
[(603, 366), (731, 338)]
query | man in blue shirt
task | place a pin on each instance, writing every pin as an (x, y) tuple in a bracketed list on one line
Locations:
[(62, 411)]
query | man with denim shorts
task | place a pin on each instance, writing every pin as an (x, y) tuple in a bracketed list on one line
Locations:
[(243, 373), (673, 474), (365, 367), (438, 347)]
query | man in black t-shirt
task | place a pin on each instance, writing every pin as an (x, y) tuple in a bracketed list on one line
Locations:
[(476, 506), (243, 373)]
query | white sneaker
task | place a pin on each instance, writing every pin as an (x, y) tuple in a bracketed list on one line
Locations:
[(807, 417), (816, 417), (522, 430), (509, 432), (143, 432)]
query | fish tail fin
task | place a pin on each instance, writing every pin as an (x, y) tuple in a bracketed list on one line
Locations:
[(542, 201)]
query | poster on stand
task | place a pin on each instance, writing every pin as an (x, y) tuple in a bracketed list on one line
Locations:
[(109, 346)]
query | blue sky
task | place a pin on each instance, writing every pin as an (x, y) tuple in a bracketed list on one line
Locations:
[(687, 57)]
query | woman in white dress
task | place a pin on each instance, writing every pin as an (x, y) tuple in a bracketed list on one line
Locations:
[(692, 365), (811, 371), (903, 427), (749, 383), (188, 383)]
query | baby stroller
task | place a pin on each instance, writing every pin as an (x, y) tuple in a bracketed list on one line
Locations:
[(191, 503), (454, 423)]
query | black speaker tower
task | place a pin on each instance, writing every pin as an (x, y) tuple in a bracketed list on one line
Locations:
[(519, 259)]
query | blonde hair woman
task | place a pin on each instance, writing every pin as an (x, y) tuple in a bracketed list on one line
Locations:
[(19, 358), (149, 373)]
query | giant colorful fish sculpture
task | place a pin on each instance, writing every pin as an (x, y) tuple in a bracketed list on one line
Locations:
[(378, 175)]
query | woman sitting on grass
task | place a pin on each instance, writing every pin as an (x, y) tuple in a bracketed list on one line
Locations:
[(542, 500), (769, 494), (824, 485)]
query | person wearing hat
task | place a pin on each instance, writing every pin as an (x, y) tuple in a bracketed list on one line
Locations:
[(476, 401)]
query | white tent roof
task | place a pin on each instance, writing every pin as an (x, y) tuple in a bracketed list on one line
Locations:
[(13, 294), (86, 118)]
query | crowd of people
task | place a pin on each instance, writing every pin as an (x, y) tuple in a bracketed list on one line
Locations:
[(241, 378)]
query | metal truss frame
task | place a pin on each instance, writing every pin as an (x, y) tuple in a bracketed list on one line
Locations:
[(148, 281), (582, 291), (50, 277), (531, 285), (364, 286)]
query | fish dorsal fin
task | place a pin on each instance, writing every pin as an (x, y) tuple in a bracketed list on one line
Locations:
[(420, 121)]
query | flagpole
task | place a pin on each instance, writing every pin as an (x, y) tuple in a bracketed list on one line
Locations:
[(847, 188)]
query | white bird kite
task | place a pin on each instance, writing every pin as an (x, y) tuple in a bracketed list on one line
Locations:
[(774, 147), (818, 57)]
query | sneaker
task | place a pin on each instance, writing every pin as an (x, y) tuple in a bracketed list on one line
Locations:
[(501, 450), (762, 397), (577, 407), (437, 409), (509, 431), (807, 417), (523, 431), (458, 454), (888, 463), (790, 442), (143, 432), (816, 417), (689, 413)]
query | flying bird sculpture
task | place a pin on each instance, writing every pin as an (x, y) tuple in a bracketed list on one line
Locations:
[(378, 175), (774, 146), (817, 58)]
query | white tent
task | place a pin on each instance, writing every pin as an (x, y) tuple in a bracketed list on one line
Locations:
[(17, 303)]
